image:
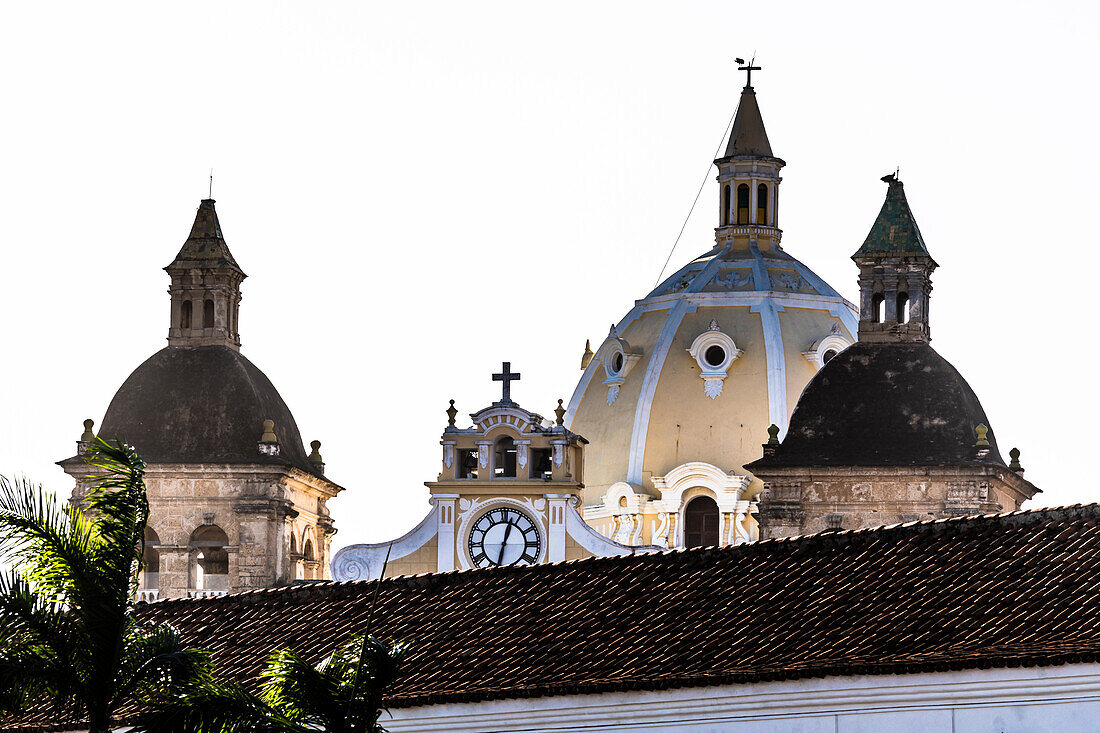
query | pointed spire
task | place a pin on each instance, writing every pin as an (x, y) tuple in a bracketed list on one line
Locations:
[(206, 286), (895, 274), (748, 136), (895, 231), (205, 246)]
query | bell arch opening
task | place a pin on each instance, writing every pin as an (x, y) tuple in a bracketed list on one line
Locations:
[(210, 559)]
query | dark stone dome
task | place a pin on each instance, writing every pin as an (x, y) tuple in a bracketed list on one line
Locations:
[(202, 405), (883, 405)]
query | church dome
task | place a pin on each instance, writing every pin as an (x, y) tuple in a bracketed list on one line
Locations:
[(203, 404), (886, 405), (766, 323), (696, 371)]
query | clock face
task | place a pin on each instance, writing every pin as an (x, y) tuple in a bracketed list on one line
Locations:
[(504, 536)]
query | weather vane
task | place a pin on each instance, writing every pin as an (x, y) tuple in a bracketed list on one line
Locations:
[(747, 68)]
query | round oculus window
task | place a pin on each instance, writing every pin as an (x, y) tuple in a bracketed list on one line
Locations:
[(617, 362), (714, 356), (827, 356)]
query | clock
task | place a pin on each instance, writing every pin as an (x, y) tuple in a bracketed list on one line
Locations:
[(504, 536)]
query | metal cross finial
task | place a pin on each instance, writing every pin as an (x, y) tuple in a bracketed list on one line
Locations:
[(210, 191), (507, 376), (747, 68)]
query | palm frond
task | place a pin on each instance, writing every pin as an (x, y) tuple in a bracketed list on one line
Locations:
[(36, 647), (119, 507), (155, 661), (48, 545), (298, 690), (376, 665), (215, 708)]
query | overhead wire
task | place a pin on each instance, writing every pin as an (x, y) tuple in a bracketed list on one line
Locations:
[(698, 193)]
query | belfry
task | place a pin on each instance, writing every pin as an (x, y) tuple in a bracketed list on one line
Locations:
[(888, 431), (236, 502)]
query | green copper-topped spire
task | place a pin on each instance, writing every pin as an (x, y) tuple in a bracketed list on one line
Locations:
[(895, 272), (895, 231)]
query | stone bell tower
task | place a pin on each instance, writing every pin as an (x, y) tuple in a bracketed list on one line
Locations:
[(888, 431), (206, 286), (895, 274)]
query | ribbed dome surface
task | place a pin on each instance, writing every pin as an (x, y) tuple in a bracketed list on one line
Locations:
[(885, 404), (202, 405)]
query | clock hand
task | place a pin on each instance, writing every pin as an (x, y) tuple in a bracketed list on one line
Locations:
[(504, 543)]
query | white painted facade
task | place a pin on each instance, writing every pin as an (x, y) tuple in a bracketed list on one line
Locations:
[(1057, 699)]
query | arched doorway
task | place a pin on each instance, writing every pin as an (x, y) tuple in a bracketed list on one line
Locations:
[(701, 522)]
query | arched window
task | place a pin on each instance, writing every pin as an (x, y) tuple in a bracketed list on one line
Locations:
[(761, 204), (701, 522), (150, 561), (726, 204), (310, 570), (210, 569), (208, 314), (827, 356), (878, 308), (293, 543), (743, 204), (504, 458), (903, 307), (185, 314)]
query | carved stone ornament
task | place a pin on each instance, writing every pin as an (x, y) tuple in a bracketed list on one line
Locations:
[(448, 454), (733, 278), (612, 393), (789, 280)]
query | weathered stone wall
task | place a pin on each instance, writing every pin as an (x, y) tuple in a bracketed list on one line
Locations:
[(271, 516), (803, 501)]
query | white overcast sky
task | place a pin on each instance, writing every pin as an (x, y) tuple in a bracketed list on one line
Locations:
[(419, 191)]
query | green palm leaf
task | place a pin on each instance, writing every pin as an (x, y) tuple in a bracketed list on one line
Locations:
[(68, 635)]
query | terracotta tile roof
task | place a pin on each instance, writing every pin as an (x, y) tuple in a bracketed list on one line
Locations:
[(1017, 589)]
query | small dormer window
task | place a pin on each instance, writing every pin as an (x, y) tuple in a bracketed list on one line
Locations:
[(618, 359), (822, 351), (714, 352)]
